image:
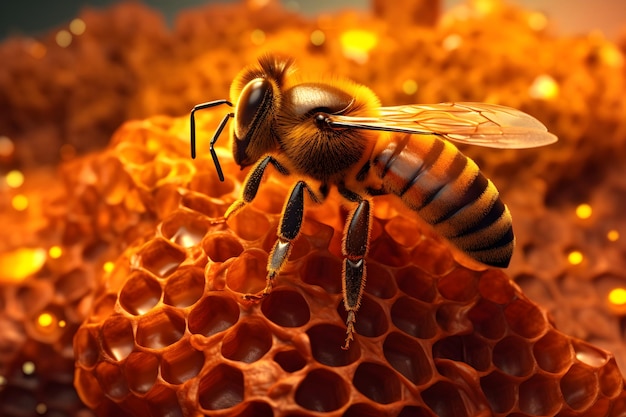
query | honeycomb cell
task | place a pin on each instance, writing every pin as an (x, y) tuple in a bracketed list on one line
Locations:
[(160, 329), (539, 395), (403, 230), (322, 390), (32, 297), (553, 352), (208, 183), (525, 318), (249, 224), (361, 410), (387, 252), (407, 356), (160, 257), (117, 337), (213, 314), (163, 402), (140, 293), (221, 246), (589, 354), (469, 349), (500, 390), (495, 286), (247, 273), (326, 342), (185, 228), (290, 360), (460, 285), (184, 287), (414, 318), (610, 379), (71, 286), (512, 356), (248, 341), (111, 379), (203, 204), (416, 283), (220, 388), (380, 282), (286, 308), (323, 270), (256, 409), (415, 411), (377, 382), (181, 363), (579, 387), (435, 259), (88, 387), (445, 400), (371, 318), (86, 348), (488, 319), (141, 370)]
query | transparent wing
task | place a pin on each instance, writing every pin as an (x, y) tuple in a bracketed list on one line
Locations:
[(481, 124)]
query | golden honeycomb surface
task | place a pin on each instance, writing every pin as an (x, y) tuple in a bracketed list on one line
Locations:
[(56, 252)]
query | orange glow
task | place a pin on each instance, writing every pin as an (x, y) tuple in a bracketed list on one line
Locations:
[(108, 266), (21, 263), (45, 320), (37, 50), (63, 38), (14, 179), (77, 26), (318, 37), (617, 296), (409, 87), (257, 37), (537, 21), (575, 257), (452, 42), (28, 368), (357, 43), (6, 147), (55, 252), (20, 202), (612, 235), (583, 211), (544, 87)]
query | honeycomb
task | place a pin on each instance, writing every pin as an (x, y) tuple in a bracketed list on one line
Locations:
[(170, 332)]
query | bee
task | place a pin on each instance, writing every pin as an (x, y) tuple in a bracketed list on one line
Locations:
[(334, 133)]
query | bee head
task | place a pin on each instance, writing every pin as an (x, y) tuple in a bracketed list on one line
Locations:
[(257, 92)]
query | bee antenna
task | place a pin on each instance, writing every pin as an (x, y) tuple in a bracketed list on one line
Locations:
[(192, 123)]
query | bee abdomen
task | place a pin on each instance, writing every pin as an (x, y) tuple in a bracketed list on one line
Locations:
[(433, 178)]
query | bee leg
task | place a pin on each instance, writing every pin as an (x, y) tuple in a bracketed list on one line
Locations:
[(252, 183), (354, 248), (288, 230)]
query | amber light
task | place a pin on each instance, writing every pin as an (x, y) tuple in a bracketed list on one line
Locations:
[(21, 263)]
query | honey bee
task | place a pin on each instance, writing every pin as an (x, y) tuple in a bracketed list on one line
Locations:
[(335, 133)]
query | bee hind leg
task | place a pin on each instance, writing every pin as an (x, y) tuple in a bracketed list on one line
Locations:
[(354, 249)]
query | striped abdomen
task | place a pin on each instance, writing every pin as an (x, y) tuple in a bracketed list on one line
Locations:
[(447, 190)]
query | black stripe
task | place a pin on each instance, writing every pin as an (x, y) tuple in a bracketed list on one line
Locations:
[(362, 174), (490, 218), (429, 160), (454, 170), (473, 193), (400, 145)]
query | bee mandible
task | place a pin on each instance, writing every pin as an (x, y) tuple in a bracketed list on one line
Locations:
[(335, 133)]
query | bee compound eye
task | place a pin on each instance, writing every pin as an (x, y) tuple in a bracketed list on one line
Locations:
[(254, 99)]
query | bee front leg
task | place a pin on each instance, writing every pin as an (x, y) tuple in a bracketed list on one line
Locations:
[(288, 230), (354, 248), (252, 184)]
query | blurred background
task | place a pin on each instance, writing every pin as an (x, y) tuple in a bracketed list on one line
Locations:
[(570, 16)]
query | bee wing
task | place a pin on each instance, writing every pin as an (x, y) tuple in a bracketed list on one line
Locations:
[(481, 124)]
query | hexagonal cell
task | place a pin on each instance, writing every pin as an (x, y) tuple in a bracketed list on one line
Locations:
[(610, 379), (203, 204), (141, 371), (287, 308), (589, 354), (33, 296), (140, 293), (326, 342), (488, 319), (256, 409), (416, 283), (247, 273), (415, 411), (363, 410), (512, 356), (185, 228), (111, 380), (248, 341), (117, 337), (220, 388), (380, 282), (208, 183), (86, 348), (324, 271), (184, 287), (495, 286), (446, 400), (408, 357), (249, 224), (404, 231), (469, 349), (387, 252), (221, 246), (88, 387), (162, 401), (371, 318), (500, 391), (160, 257), (414, 318), (377, 382), (539, 395), (213, 314), (553, 352), (579, 387), (290, 360), (181, 363), (459, 285), (160, 329), (71, 286), (102, 308), (435, 259), (525, 318), (322, 390)]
